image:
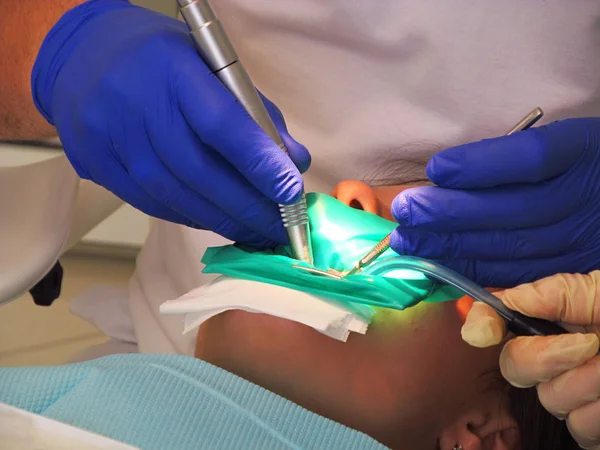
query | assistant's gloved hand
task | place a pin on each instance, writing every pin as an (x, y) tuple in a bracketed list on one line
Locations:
[(512, 209), (139, 113), (566, 369)]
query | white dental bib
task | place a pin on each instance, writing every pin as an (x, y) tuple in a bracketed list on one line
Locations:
[(226, 293)]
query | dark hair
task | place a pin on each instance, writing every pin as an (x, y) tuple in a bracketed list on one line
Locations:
[(539, 430), (403, 166)]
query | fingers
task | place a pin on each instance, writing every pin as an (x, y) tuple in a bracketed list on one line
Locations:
[(493, 245), (569, 298), (174, 195), (572, 389), (529, 156), (150, 187), (297, 152), (203, 172), (124, 187), (527, 361), (433, 208), (584, 425), (223, 125), (483, 327), (565, 368)]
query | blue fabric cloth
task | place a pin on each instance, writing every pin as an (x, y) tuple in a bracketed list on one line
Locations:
[(171, 402)]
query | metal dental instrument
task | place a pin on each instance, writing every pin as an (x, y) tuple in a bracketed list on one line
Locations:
[(218, 54), (373, 254), (528, 121), (525, 123)]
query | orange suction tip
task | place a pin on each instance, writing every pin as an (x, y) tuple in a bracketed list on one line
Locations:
[(463, 306)]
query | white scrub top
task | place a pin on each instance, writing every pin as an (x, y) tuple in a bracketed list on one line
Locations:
[(361, 83), (366, 83)]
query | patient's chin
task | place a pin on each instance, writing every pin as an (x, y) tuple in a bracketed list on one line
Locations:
[(317, 372), (387, 383), (239, 332)]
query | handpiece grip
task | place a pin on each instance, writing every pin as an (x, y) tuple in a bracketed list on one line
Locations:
[(217, 52)]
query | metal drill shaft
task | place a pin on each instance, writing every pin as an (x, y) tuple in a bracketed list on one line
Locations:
[(218, 53), (526, 122)]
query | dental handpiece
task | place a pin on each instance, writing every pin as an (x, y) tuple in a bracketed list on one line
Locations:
[(217, 52), (526, 122)]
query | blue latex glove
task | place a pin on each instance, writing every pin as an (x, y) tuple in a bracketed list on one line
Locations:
[(139, 113), (512, 209)]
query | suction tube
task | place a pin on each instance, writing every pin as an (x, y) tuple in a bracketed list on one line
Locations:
[(516, 322)]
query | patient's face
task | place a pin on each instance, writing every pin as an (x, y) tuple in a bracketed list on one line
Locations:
[(377, 200), (410, 382)]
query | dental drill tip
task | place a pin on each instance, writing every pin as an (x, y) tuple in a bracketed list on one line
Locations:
[(299, 236), (295, 222)]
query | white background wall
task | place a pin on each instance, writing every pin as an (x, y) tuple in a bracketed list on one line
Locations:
[(168, 7), (125, 228)]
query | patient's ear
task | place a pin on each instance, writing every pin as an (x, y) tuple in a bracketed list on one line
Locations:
[(356, 194), (491, 429)]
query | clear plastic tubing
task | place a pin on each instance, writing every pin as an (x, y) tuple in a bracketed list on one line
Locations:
[(516, 322), (439, 273)]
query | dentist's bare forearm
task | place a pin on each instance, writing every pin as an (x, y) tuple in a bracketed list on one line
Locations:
[(23, 26)]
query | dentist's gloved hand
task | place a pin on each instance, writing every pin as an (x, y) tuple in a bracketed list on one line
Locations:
[(139, 113), (566, 369), (512, 209)]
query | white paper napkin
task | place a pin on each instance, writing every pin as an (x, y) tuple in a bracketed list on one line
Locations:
[(225, 293)]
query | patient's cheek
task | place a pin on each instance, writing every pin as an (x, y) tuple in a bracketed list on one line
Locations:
[(236, 334), (215, 335)]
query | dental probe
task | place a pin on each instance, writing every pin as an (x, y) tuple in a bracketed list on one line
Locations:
[(525, 123), (373, 254), (217, 52)]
